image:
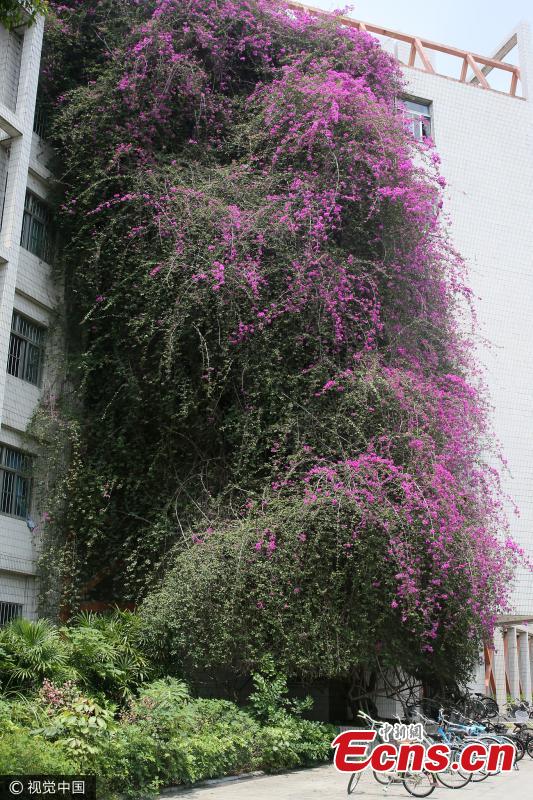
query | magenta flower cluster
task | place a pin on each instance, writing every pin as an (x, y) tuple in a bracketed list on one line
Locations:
[(347, 250)]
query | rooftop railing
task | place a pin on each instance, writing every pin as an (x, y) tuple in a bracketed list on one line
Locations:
[(474, 68)]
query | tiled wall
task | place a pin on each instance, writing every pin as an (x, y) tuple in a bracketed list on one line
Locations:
[(25, 284), (486, 144)]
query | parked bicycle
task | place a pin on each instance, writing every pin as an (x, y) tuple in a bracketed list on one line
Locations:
[(418, 784)]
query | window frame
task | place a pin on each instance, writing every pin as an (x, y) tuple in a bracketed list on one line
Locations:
[(18, 474), (26, 346), (36, 234), (418, 116)]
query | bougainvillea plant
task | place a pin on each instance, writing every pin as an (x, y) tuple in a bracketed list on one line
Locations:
[(280, 435)]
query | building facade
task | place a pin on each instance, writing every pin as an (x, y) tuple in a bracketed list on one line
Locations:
[(28, 297)]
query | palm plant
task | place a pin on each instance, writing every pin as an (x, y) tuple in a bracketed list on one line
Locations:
[(107, 651), (31, 651)]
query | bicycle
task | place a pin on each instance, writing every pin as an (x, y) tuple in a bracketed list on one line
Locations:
[(419, 784), (451, 778)]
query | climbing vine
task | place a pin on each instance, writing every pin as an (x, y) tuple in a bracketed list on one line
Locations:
[(276, 402)]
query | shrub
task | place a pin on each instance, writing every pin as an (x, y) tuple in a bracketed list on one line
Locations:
[(106, 652), (23, 753), (78, 721), (286, 739), (31, 651), (163, 708), (129, 762), (225, 740)]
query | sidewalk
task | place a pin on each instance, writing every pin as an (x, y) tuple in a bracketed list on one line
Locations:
[(325, 782)]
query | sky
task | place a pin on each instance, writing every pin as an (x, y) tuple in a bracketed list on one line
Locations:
[(479, 26)]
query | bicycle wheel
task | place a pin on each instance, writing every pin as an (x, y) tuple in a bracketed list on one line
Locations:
[(384, 778), (519, 746), (529, 747), (352, 783), (454, 778), (482, 774), (419, 784), (492, 708)]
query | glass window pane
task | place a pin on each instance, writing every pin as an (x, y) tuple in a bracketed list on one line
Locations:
[(21, 496), (13, 361), (35, 235), (33, 360)]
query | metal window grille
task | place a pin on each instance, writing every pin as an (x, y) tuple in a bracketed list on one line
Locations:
[(9, 611), (419, 117), (40, 121), (36, 228), (15, 482), (26, 350)]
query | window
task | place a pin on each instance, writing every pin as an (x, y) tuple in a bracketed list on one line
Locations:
[(26, 349), (40, 120), (15, 481), (418, 114), (9, 611), (36, 228)]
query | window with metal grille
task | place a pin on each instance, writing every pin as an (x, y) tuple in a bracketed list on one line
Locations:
[(26, 348), (36, 227), (9, 611), (418, 114), (15, 482), (40, 120)]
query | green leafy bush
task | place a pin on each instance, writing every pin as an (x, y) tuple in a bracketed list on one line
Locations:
[(23, 753), (128, 762), (287, 740), (79, 722), (102, 652), (31, 651), (106, 651), (162, 736), (225, 740)]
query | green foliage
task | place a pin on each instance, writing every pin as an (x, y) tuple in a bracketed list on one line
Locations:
[(80, 723), (24, 753), (162, 736), (286, 740), (106, 652), (224, 602), (269, 700), (14, 13), (31, 651)]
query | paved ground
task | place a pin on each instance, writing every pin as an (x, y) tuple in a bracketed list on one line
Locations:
[(325, 782)]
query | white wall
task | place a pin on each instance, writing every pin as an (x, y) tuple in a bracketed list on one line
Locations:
[(485, 141), (25, 284)]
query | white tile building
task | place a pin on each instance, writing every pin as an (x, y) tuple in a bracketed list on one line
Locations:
[(27, 300)]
